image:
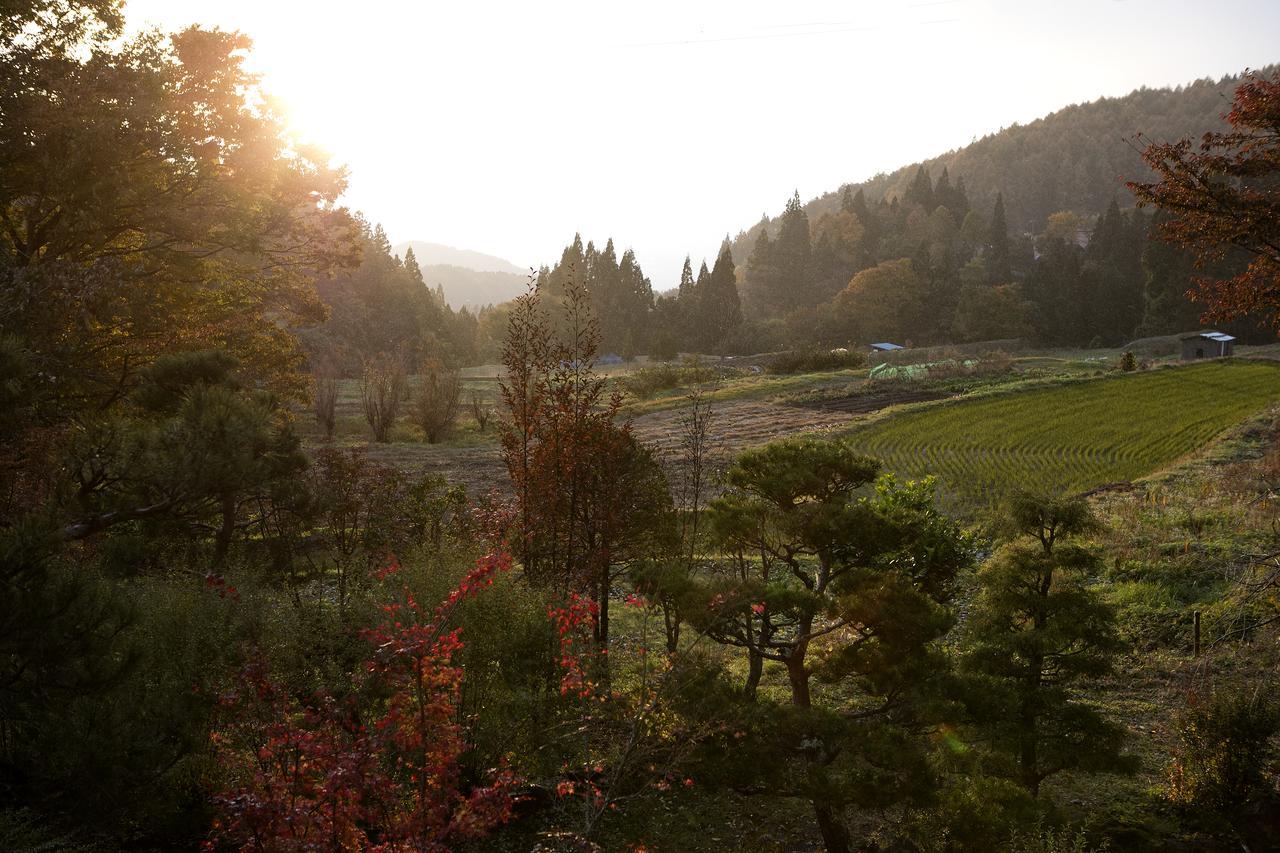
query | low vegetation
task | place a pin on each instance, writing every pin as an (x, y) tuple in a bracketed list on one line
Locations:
[(1071, 438)]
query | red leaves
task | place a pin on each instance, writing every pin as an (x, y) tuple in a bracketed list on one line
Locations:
[(1222, 196), (378, 776), (574, 623)]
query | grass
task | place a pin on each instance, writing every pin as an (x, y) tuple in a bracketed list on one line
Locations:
[(1073, 437)]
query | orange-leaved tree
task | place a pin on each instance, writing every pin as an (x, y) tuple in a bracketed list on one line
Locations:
[(1223, 196), (589, 498)]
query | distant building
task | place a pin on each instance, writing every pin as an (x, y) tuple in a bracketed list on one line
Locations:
[(884, 347), (609, 358), (1207, 345)]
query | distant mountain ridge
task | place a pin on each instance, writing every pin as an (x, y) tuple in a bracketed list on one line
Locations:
[(464, 288), (1076, 158), (438, 254), (469, 279)]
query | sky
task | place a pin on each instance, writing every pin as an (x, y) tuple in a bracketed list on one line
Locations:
[(506, 127)]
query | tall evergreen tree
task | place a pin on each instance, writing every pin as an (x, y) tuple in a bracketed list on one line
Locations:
[(920, 191), (997, 254), (411, 266), (1167, 309), (762, 275), (685, 290), (793, 285), (721, 309)]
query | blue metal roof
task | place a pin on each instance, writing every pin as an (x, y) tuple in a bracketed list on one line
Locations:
[(885, 346)]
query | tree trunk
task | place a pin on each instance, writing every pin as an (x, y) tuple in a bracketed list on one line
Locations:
[(671, 622), (755, 669), (835, 836), (602, 619), (222, 541)]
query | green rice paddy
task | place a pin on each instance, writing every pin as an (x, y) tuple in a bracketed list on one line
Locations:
[(1073, 437)]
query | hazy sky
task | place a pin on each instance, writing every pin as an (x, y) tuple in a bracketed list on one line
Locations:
[(506, 127)]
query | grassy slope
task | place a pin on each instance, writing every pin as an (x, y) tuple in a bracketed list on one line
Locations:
[(1074, 437)]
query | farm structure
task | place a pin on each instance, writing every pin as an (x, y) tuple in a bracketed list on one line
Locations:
[(1207, 345), (885, 347)]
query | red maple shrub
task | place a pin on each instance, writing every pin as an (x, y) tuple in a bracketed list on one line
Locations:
[(376, 770)]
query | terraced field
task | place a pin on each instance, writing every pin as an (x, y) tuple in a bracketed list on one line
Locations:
[(1074, 437)]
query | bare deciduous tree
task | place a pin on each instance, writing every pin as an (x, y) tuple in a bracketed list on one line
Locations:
[(326, 401), (481, 410), (436, 405), (381, 390)]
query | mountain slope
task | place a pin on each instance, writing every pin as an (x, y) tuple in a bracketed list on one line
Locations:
[(437, 254), (473, 288), (469, 279), (1074, 159)]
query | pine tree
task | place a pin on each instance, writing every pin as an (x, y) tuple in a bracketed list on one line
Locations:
[(762, 275), (721, 309), (942, 192), (1037, 629), (920, 191), (637, 293), (411, 266), (997, 255), (685, 290), (1167, 274), (792, 287), (1113, 266)]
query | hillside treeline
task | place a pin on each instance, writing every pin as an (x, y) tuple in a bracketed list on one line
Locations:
[(383, 305), (929, 268), (1076, 158)]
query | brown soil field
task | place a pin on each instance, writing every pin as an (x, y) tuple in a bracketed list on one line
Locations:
[(736, 425), (865, 404)]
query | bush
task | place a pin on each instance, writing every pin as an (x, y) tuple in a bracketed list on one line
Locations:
[(646, 382), (815, 360), (1224, 750), (1128, 362)]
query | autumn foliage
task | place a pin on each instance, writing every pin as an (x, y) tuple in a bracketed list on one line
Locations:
[(327, 772), (1223, 197)]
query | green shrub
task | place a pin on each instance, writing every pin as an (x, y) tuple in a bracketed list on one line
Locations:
[(1054, 841), (647, 381), (1148, 614), (23, 831), (814, 360), (1128, 362), (1224, 750)]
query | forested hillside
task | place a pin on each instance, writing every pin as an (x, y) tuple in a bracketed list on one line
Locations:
[(1077, 158)]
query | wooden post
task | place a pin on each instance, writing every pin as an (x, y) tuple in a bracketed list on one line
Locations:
[(1196, 645)]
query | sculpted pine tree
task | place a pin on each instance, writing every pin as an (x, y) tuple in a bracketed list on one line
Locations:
[(816, 560), (1037, 629)]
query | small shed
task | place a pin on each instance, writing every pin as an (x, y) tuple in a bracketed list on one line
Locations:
[(884, 347), (1207, 345), (609, 358)]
